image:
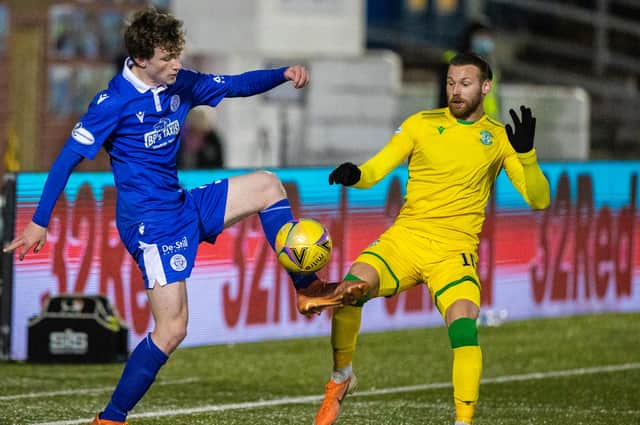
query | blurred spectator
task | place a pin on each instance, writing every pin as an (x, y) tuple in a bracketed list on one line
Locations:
[(477, 38), (442, 20), (90, 43), (65, 45), (201, 146), (4, 28)]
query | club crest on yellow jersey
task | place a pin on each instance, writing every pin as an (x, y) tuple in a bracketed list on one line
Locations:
[(486, 138)]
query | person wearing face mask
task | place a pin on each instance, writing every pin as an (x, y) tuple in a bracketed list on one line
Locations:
[(477, 38)]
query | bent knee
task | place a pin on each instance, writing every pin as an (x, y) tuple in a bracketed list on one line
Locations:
[(169, 336), (270, 186), (462, 308)]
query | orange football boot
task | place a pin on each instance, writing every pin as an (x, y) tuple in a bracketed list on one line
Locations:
[(334, 394), (320, 295), (98, 421)]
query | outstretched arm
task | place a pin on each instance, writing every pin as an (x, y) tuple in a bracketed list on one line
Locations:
[(210, 89), (522, 167), (376, 168), (35, 233), (256, 82)]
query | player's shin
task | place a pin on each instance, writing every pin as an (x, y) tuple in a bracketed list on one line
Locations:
[(139, 373), (467, 367), (345, 326), (273, 218)]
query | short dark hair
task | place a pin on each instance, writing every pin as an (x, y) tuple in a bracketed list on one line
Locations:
[(469, 58), (150, 28)]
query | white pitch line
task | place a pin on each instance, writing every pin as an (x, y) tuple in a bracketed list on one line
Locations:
[(82, 391), (315, 398)]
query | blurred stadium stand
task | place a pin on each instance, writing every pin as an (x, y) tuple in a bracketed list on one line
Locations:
[(591, 44), (386, 52)]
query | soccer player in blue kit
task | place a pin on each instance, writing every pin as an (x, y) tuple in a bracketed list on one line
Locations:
[(138, 119)]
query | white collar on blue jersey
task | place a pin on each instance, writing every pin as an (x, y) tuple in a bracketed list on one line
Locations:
[(136, 82)]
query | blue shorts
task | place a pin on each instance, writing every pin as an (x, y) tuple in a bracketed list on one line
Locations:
[(165, 246)]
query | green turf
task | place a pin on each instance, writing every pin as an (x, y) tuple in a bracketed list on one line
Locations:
[(206, 377)]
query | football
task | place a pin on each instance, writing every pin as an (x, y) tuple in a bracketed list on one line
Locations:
[(303, 245)]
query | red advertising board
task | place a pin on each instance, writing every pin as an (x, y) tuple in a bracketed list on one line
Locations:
[(580, 255)]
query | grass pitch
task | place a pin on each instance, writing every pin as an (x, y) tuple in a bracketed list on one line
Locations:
[(573, 370)]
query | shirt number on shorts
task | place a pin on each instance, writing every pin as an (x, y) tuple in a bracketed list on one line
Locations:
[(468, 259)]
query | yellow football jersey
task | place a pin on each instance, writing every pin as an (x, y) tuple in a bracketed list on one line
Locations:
[(452, 167)]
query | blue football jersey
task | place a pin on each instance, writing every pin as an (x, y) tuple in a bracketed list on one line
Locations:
[(139, 126)]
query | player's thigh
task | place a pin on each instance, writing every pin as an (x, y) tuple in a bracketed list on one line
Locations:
[(454, 277), (210, 202), (393, 257), (169, 303), (251, 193)]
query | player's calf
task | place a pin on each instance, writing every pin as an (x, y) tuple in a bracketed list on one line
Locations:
[(467, 367)]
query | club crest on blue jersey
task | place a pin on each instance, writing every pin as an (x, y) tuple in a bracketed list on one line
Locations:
[(82, 135), (486, 138), (163, 133), (175, 103)]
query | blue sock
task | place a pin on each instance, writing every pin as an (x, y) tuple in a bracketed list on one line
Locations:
[(138, 375), (273, 218)]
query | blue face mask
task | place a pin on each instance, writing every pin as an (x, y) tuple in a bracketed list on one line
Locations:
[(482, 45)]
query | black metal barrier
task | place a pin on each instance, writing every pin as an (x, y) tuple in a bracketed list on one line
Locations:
[(77, 329), (8, 199)]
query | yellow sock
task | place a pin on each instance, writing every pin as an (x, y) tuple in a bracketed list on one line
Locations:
[(345, 326), (467, 368)]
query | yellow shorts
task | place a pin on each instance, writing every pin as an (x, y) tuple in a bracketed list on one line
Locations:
[(404, 259)]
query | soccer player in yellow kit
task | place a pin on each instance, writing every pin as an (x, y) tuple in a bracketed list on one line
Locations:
[(455, 155)]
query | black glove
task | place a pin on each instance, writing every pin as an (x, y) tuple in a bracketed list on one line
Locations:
[(346, 174), (522, 134)]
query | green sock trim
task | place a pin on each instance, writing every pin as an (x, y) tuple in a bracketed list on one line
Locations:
[(463, 332), (360, 303)]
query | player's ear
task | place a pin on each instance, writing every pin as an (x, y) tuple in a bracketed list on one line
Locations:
[(141, 63), (486, 87)]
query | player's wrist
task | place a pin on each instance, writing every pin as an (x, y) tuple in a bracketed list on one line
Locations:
[(41, 219), (529, 157)]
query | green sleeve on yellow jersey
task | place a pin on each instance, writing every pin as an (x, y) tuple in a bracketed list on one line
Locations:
[(525, 174)]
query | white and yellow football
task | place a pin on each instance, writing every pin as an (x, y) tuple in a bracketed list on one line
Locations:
[(303, 245)]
